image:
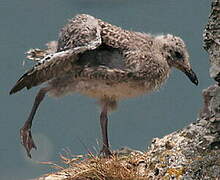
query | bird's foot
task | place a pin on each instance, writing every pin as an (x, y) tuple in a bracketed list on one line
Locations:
[(105, 151), (26, 140)]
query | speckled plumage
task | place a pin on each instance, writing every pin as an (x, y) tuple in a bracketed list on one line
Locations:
[(105, 62)]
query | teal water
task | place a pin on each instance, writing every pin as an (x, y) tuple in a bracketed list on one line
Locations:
[(72, 122)]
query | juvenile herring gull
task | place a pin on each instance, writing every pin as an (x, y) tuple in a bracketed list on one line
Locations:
[(103, 61)]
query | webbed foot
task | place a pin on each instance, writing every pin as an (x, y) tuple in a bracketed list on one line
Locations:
[(26, 140)]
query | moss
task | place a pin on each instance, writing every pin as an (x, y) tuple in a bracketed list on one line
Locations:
[(176, 172)]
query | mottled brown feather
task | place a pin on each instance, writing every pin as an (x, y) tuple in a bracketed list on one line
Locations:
[(53, 66)]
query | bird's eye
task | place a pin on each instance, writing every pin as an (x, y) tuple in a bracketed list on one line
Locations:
[(178, 55)]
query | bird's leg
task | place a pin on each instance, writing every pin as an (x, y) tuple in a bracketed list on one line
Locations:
[(25, 131), (104, 129)]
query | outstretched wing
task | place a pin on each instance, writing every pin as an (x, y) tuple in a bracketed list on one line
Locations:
[(51, 66), (82, 34)]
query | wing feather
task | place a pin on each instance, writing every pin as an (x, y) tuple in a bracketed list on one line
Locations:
[(80, 35), (51, 66)]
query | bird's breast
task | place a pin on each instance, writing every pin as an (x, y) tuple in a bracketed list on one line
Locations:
[(100, 89), (114, 90)]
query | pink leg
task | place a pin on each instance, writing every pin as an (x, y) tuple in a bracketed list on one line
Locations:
[(25, 131), (104, 125)]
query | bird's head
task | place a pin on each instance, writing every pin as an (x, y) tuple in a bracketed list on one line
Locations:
[(177, 56)]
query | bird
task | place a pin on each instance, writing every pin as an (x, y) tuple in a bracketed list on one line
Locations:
[(103, 61)]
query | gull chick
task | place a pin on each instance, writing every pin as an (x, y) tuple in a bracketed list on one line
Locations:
[(102, 61)]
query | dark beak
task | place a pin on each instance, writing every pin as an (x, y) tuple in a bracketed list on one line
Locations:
[(192, 76)]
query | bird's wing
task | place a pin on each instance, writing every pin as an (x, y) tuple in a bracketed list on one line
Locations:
[(82, 30), (80, 35), (51, 66)]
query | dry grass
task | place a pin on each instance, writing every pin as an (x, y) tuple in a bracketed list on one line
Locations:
[(90, 167)]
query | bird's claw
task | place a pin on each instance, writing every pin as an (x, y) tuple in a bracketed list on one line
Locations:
[(26, 140)]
